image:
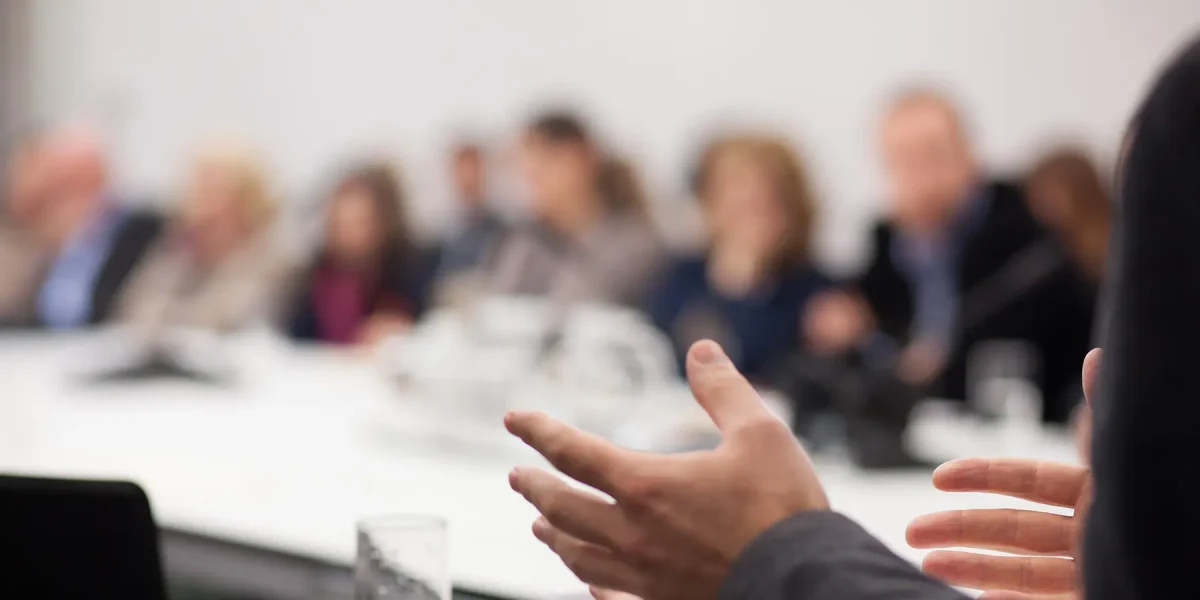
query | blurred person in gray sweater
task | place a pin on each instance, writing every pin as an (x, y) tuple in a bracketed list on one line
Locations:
[(591, 240), (216, 268)]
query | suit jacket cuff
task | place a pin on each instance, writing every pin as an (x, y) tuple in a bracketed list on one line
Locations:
[(822, 555)]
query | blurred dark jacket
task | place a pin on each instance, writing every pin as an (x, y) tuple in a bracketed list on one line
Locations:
[(1013, 282), (757, 331), (329, 304), (134, 234), (615, 262), (469, 247)]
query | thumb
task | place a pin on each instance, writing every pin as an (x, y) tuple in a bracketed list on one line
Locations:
[(1091, 372), (720, 389)]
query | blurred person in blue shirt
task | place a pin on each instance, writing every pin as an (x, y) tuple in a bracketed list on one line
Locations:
[(93, 240), (464, 256), (748, 290), (479, 228)]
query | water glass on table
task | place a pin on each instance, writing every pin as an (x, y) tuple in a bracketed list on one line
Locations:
[(402, 557)]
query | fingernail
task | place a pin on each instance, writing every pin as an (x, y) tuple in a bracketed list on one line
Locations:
[(708, 353), (514, 477)]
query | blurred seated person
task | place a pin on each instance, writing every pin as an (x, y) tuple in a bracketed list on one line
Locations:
[(1068, 196), (93, 241), (958, 263), (366, 281), (591, 239), (216, 268), (463, 257), (479, 228), (748, 289), (21, 258)]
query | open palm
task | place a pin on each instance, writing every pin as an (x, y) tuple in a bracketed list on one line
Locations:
[(1045, 544)]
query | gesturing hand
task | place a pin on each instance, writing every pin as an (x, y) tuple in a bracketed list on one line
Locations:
[(1048, 543), (1040, 537), (676, 522)]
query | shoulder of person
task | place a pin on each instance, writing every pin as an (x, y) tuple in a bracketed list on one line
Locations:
[(143, 223), (882, 231), (1007, 204), (530, 233), (800, 281), (879, 244), (685, 267), (633, 236)]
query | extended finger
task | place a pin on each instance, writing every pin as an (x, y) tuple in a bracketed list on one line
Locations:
[(721, 390), (1038, 481), (578, 513), (603, 594), (1034, 575), (592, 564), (582, 456), (1003, 529)]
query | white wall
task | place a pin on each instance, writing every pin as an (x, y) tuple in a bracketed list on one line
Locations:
[(316, 80)]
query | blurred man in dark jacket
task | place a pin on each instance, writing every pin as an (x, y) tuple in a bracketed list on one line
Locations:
[(93, 242), (958, 262)]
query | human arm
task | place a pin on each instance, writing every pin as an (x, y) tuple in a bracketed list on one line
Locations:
[(746, 520)]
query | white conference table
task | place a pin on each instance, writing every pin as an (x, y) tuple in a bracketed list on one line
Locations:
[(292, 457)]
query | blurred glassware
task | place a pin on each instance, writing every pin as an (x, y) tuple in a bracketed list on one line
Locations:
[(506, 319), (590, 365), (465, 369), (1001, 386), (402, 557), (608, 359)]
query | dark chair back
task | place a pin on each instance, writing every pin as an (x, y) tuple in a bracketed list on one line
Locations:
[(67, 539)]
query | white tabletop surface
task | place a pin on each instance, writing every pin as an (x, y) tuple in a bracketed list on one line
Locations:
[(312, 441)]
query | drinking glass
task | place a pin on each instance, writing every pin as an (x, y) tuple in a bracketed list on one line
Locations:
[(402, 557), (1001, 380)]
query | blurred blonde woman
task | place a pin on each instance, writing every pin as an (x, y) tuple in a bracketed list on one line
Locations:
[(216, 268)]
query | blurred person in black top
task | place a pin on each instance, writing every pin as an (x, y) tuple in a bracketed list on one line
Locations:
[(366, 281), (958, 262), (748, 289), (463, 257), (92, 239), (591, 239)]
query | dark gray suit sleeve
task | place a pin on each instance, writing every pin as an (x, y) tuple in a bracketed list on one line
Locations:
[(825, 556), (1143, 532)]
